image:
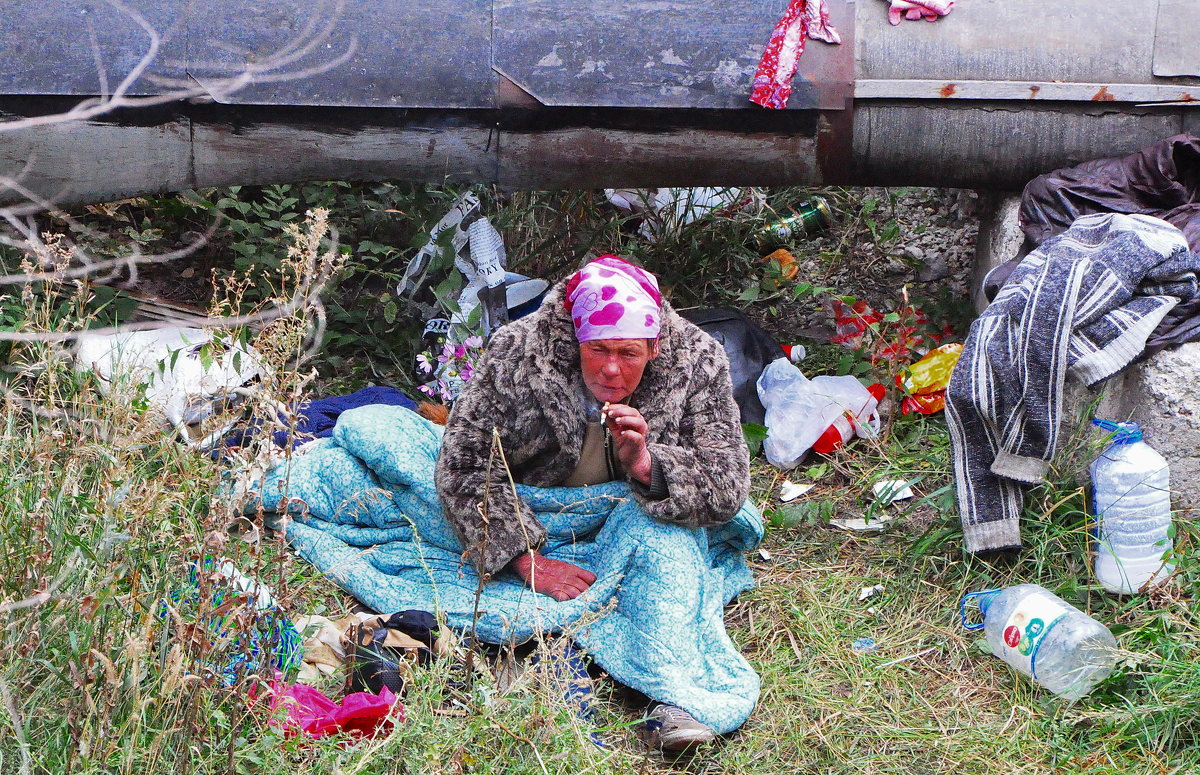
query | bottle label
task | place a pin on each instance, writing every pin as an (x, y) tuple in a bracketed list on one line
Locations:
[(1027, 627)]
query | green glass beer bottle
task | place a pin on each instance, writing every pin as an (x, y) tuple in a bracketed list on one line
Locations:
[(811, 217)]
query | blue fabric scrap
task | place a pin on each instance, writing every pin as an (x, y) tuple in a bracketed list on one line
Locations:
[(315, 419)]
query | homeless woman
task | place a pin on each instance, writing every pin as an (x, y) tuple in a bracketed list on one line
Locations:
[(606, 383), (623, 525)]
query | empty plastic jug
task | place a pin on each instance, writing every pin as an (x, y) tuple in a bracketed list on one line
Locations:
[(1131, 502), (1041, 635)]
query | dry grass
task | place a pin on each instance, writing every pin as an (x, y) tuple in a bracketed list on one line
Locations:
[(101, 519)]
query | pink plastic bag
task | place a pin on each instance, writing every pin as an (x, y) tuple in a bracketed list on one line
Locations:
[(310, 712)]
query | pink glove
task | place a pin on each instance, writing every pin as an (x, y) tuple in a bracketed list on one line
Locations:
[(931, 10)]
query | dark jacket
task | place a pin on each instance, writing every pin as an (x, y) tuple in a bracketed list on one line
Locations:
[(529, 388)]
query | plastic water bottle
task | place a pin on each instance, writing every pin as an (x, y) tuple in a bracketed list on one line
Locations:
[(1041, 635), (1131, 501)]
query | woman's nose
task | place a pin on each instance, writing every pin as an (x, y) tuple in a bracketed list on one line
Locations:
[(611, 367)]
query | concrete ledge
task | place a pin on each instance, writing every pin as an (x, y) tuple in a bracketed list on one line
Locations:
[(1000, 238)]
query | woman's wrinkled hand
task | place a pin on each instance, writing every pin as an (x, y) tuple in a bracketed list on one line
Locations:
[(560, 580), (628, 429)]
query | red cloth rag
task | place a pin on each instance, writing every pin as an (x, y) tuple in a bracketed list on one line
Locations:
[(773, 79)]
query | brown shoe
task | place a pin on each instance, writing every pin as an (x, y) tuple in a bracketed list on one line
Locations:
[(674, 729)]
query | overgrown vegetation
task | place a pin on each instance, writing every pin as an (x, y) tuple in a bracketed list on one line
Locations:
[(104, 516)]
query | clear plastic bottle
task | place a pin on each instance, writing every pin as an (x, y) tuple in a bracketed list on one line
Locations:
[(1041, 635), (1131, 501)]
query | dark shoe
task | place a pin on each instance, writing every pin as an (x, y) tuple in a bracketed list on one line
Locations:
[(378, 660), (674, 729)]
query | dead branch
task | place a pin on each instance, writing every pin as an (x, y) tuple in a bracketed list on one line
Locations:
[(278, 65)]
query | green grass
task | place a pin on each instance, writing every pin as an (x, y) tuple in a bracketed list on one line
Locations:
[(103, 516)]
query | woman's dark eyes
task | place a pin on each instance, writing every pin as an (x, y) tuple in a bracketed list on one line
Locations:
[(627, 355)]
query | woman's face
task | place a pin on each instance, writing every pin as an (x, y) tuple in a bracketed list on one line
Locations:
[(612, 368)]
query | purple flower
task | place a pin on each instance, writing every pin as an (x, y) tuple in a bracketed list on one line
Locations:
[(474, 342), (427, 390), (460, 352), (447, 352), (424, 364), (466, 371)]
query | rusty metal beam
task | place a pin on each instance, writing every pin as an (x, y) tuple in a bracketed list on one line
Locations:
[(1042, 91)]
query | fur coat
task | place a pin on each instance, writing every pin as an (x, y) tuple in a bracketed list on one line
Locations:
[(529, 387)]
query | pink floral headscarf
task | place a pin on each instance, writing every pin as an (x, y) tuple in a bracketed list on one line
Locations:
[(611, 298)]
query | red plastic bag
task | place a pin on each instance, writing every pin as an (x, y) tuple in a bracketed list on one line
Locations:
[(310, 712), (894, 337)]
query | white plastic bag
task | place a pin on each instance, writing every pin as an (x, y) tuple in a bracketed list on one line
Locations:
[(666, 210), (799, 409), (183, 381)]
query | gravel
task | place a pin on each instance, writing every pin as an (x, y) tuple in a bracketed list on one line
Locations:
[(931, 255)]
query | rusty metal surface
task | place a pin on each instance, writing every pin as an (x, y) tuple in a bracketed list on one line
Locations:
[(262, 153), (1177, 38), (836, 163), (212, 145), (1044, 91), (659, 53), (1016, 40), (593, 158), (402, 53), (964, 143), (982, 145), (86, 47), (87, 162)]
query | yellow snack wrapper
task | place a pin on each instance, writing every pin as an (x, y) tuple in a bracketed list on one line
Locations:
[(932, 373)]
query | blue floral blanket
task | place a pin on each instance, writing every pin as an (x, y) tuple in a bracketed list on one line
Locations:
[(363, 509)]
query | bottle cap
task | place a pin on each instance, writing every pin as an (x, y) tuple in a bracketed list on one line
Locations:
[(794, 352), (1122, 432), (984, 600)]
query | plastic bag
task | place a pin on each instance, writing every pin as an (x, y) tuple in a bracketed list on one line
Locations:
[(666, 210), (799, 409), (310, 712), (188, 373), (928, 379)]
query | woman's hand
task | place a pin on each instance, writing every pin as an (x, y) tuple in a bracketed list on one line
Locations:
[(560, 580), (629, 430)]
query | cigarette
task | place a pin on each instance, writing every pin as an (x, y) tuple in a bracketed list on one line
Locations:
[(604, 412)]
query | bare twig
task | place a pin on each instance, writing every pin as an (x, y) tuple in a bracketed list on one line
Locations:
[(48, 593), (14, 716), (253, 72), (278, 65)]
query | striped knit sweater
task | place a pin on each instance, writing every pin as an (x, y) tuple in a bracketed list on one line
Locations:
[(1081, 305)]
